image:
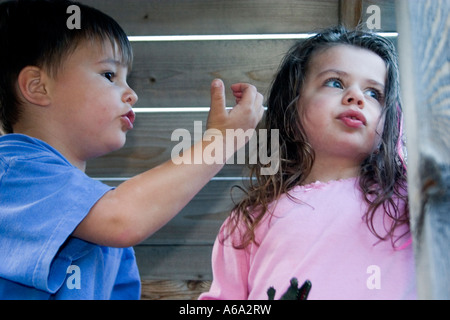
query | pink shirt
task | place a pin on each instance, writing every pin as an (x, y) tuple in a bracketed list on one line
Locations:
[(323, 239)]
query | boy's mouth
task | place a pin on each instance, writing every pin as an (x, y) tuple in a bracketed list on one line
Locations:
[(128, 118)]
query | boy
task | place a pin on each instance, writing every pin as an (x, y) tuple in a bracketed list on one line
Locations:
[(63, 100)]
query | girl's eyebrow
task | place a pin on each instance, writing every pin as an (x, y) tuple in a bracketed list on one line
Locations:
[(339, 72), (344, 74)]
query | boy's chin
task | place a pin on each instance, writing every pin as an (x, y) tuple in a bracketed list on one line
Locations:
[(119, 144), (111, 146)]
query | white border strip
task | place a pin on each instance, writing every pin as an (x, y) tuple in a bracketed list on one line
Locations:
[(175, 109), (387, 34), (222, 37), (180, 109), (122, 179), (228, 37)]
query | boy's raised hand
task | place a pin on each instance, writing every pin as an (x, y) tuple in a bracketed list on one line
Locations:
[(246, 113), (141, 205)]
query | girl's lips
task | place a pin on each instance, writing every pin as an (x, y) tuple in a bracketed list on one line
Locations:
[(352, 119), (128, 119)]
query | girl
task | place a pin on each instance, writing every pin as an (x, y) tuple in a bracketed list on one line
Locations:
[(336, 212)]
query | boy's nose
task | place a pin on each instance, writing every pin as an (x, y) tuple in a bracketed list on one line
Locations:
[(130, 97)]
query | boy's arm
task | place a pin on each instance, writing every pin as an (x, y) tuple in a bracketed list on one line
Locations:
[(140, 206)]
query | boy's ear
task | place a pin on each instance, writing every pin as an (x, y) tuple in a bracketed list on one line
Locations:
[(32, 83)]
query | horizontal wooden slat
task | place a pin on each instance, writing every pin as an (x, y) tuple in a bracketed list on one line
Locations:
[(178, 74), (173, 290), (150, 17), (149, 144), (175, 17), (174, 262), (199, 222)]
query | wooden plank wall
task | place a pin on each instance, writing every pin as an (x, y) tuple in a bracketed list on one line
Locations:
[(424, 28), (175, 262)]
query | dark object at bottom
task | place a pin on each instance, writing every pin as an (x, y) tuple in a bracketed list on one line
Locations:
[(293, 292)]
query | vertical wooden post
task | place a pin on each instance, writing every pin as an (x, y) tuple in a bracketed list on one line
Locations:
[(350, 13), (424, 31)]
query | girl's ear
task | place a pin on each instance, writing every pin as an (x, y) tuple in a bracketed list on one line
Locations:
[(32, 83)]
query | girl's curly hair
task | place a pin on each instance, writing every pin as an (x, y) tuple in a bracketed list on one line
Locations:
[(382, 175)]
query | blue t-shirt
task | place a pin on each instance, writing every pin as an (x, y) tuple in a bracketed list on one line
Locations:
[(42, 200)]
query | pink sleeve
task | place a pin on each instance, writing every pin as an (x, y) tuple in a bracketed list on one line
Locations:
[(230, 270)]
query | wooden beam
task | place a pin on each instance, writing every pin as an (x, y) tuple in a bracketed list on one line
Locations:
[(424, 28), (178, 74), (150, 143), (173, 289), (350, 13), (176, 263), (155, 17)]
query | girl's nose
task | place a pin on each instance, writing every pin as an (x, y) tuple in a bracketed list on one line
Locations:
[(353, 96)]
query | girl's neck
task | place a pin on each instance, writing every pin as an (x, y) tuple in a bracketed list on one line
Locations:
[(326, 171)]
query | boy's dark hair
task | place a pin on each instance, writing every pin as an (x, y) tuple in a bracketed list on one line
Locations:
[(35, 33)]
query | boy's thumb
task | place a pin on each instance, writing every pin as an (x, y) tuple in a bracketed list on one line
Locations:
[(218, 101)]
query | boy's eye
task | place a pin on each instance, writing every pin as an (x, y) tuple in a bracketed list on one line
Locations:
[(109, 75), (334, 83)]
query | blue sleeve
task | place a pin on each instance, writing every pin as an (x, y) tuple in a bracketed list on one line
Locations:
[(42, 200)]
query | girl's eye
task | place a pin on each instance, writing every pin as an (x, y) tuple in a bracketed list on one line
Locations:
[(334, 83), (109, 75), (375, 94)]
